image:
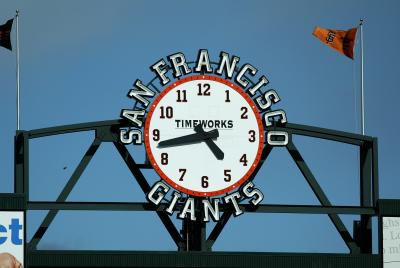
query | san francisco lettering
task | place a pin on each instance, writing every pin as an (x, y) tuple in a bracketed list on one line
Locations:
[(177, 66)]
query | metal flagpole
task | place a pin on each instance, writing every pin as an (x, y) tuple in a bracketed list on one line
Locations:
[(362, 77), (18, 106)]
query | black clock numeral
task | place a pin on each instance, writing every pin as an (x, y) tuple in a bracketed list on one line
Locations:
[(243, 160), (183, 172), (204, 182), (166, 112), (156, 134), (181, 96), (252, 134), (244, 114), (164, 159), (227, 99), (204, 89), (227, 173)]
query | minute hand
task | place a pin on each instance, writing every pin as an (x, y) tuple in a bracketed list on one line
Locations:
[(191, 138)]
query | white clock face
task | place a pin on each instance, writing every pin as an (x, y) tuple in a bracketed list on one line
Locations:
[(204, 135)]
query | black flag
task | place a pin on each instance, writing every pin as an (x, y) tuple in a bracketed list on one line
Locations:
[(5, 31)]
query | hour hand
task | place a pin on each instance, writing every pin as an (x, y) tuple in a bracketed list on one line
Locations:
[(188, 139), (218, 153)]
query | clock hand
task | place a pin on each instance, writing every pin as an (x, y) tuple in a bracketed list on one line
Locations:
[(219, 154), (191, 138)]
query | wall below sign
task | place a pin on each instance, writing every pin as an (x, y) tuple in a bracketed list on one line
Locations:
[(391, 242)]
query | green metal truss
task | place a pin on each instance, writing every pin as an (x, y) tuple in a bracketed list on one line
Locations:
[(195, 250)]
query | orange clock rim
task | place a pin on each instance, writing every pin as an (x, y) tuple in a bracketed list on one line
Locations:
[(159, 170)]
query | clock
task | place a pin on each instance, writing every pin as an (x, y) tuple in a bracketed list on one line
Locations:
[(203, 135)]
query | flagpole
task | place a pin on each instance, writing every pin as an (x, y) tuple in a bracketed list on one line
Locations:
[(362, 78), (18, 95)]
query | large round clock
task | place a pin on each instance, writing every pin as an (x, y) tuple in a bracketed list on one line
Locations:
[(204, 135)]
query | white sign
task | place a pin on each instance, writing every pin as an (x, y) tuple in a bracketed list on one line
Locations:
[(391, 242), (12, 236)]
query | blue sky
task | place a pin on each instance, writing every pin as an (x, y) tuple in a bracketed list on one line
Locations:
[(79, 59)]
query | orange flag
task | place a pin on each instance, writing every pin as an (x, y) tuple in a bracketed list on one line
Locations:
[(342, 41)]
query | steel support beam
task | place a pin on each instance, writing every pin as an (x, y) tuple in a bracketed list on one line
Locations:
[(322, 133), (21, 163), (107, 131), (51, 131), (366, 174), (64, 194), (145, 206), (194, 232), (56, 258), (364, 228), (228, 213), (309, 209), (219, 226), (323, 199), (144, 185), (375, 172)]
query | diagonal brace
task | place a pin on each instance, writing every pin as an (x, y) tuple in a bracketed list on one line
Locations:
[(323, 199), (64, 193), (227, 214), (144, 185)]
